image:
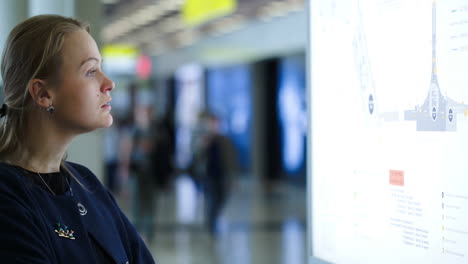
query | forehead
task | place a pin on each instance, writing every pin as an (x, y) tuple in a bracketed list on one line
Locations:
[(77, 47)]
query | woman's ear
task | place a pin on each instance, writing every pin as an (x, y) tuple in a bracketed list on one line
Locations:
[(41, 95)]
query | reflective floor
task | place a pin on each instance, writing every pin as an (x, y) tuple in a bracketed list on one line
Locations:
[(255, 227)]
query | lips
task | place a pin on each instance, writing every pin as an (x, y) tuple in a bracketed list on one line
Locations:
[(107, 104)]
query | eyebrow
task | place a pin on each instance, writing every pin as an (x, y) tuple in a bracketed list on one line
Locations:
[(88, 59)]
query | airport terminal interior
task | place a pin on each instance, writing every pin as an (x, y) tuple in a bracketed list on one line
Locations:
[(207, 153), (281, 131)]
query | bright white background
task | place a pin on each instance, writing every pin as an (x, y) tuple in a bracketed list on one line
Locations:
[(384, 48)]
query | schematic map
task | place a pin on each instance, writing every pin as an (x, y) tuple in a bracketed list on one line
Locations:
[(389, 130)]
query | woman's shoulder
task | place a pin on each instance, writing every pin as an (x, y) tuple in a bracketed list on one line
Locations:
[(82, 171), (13, 186), (91, 185), (84, 175), (10, 175)]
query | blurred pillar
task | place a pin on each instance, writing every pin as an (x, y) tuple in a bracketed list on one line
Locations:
[(266, 143), (92, 12), (259, 123), (85, 10), (63, 7)]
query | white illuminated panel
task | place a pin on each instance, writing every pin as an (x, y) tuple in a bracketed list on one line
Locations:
[(189, 104), (389, 112)]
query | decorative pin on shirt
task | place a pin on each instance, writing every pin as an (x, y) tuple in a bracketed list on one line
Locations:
[(62, 231), (82, 209)]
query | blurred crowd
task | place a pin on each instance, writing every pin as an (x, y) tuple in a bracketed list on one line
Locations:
[(141, 165)]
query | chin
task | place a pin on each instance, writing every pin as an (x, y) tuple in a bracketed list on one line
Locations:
[(108, 122), (104, 123)]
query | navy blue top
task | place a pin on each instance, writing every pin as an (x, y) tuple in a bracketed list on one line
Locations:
[(29, 214)]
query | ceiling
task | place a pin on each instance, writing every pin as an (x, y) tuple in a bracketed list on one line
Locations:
[(157, 26)]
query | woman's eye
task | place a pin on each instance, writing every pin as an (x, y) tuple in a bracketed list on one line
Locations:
[(91, 73)]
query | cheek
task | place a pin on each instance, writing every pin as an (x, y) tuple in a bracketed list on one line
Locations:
[(78, 97), (83, 102)]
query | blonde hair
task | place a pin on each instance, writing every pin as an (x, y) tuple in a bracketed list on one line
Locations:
[(32, 50)]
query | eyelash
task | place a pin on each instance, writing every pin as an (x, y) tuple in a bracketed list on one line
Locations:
[(91, 72)]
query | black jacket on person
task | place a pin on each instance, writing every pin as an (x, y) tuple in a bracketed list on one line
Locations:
[(29, 216)]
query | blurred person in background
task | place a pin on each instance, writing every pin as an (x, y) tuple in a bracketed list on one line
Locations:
[(123, 155), (210, 166), (55, 211), (141, 171), (125, 143), (111, 157), (162, 153)]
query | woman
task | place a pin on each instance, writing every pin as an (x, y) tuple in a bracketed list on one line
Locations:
[(54, 211)]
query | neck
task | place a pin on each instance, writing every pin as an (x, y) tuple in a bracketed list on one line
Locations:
[(44, 147), (41, 160)]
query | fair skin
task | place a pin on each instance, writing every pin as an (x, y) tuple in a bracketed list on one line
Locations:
[(81, 99)]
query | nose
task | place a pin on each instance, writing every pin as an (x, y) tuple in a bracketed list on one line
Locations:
[(107, 84)]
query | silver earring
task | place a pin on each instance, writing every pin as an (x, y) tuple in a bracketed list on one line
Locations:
[(50, 109)]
